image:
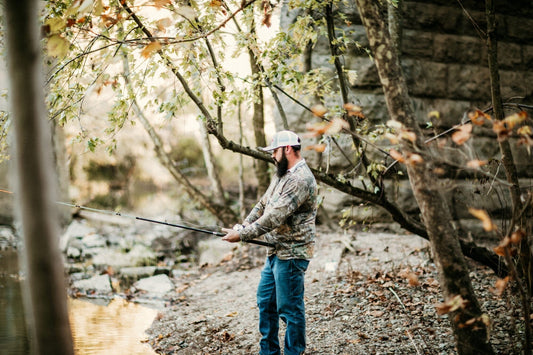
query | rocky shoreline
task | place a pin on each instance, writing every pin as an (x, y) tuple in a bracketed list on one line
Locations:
[(365, 292)]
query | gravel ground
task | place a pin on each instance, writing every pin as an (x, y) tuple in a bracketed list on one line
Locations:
[(368, 293)]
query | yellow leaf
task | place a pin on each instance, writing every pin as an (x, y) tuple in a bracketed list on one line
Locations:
[(98, 7), (56, 24), (515, 119), (524, 130), (151, 48), (57, 46), (484, 217), (435, 114), (478, 117)]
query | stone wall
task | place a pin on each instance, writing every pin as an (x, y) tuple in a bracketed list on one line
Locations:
[(444, 58)]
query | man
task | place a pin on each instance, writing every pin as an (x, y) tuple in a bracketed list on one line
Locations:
[(285, 215)]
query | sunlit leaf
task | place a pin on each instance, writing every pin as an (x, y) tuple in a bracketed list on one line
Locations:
[(163, 23), (396, 155), (57, 46), (397, 125), (478, 117), (55, 24), (513, 120), (462, 134), (161, 3), (484, 217), (435, 114), (408, 135), (151, 48), (500, 128), (354, 110), (187, 12), (517, 236), (476, 164), (336, 125), (414, 159), (320, 148), (525, 130), (319, 110)]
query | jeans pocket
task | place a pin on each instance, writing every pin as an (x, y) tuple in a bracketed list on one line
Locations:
[(300, 264)]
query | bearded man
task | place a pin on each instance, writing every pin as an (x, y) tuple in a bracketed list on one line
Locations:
[(285, 215)]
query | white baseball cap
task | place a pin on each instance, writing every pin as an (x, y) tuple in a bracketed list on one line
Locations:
[(282, 139)]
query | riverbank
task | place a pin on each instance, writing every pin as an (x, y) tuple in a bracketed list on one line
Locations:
[(366, 293)]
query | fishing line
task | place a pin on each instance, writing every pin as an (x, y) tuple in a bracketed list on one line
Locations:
[(175, 225)]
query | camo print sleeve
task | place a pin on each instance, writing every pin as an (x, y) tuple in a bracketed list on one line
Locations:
[(285, 215)]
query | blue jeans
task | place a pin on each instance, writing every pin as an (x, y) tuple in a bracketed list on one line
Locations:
[(280, 294)]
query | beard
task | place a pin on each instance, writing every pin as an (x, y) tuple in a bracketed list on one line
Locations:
[(282, 165)]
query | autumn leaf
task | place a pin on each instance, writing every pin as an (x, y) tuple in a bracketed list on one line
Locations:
[(525, 130), (319, 110), (57, 46), (354, 110), (517, 236), (500, 128), (451, 305), (151, 48), (476, 164), (161, 3), (462, 134), (412, 279), (500, 285), (484, 217), (408, 135), (478, 117), (513, 120), (414, 159), (163, 23), (320, 148), (396, 155)]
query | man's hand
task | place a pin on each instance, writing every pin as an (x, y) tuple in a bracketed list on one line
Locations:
[(231, 236)]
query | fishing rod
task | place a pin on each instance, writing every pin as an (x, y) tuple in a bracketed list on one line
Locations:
[(175, 225), (215, 233)]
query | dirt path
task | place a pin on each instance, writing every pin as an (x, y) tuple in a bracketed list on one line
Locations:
[(370, 293)]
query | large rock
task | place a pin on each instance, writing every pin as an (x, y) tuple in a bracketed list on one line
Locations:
[(98, 284), (157, 285)]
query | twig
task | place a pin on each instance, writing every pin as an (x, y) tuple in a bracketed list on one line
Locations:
[(405, 309)]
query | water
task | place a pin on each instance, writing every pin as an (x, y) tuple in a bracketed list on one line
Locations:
[(115, 327)]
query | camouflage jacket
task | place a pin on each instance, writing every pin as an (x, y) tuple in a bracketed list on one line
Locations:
[(286, 213)]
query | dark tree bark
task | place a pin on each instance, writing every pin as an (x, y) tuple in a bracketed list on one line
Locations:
[(451, 264), (35, 190)]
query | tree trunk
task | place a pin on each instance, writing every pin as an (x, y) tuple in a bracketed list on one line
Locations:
[(35, 191), (258, 119), (453, 271)]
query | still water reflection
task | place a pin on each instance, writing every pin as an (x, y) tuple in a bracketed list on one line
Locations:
[(114, 328)]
